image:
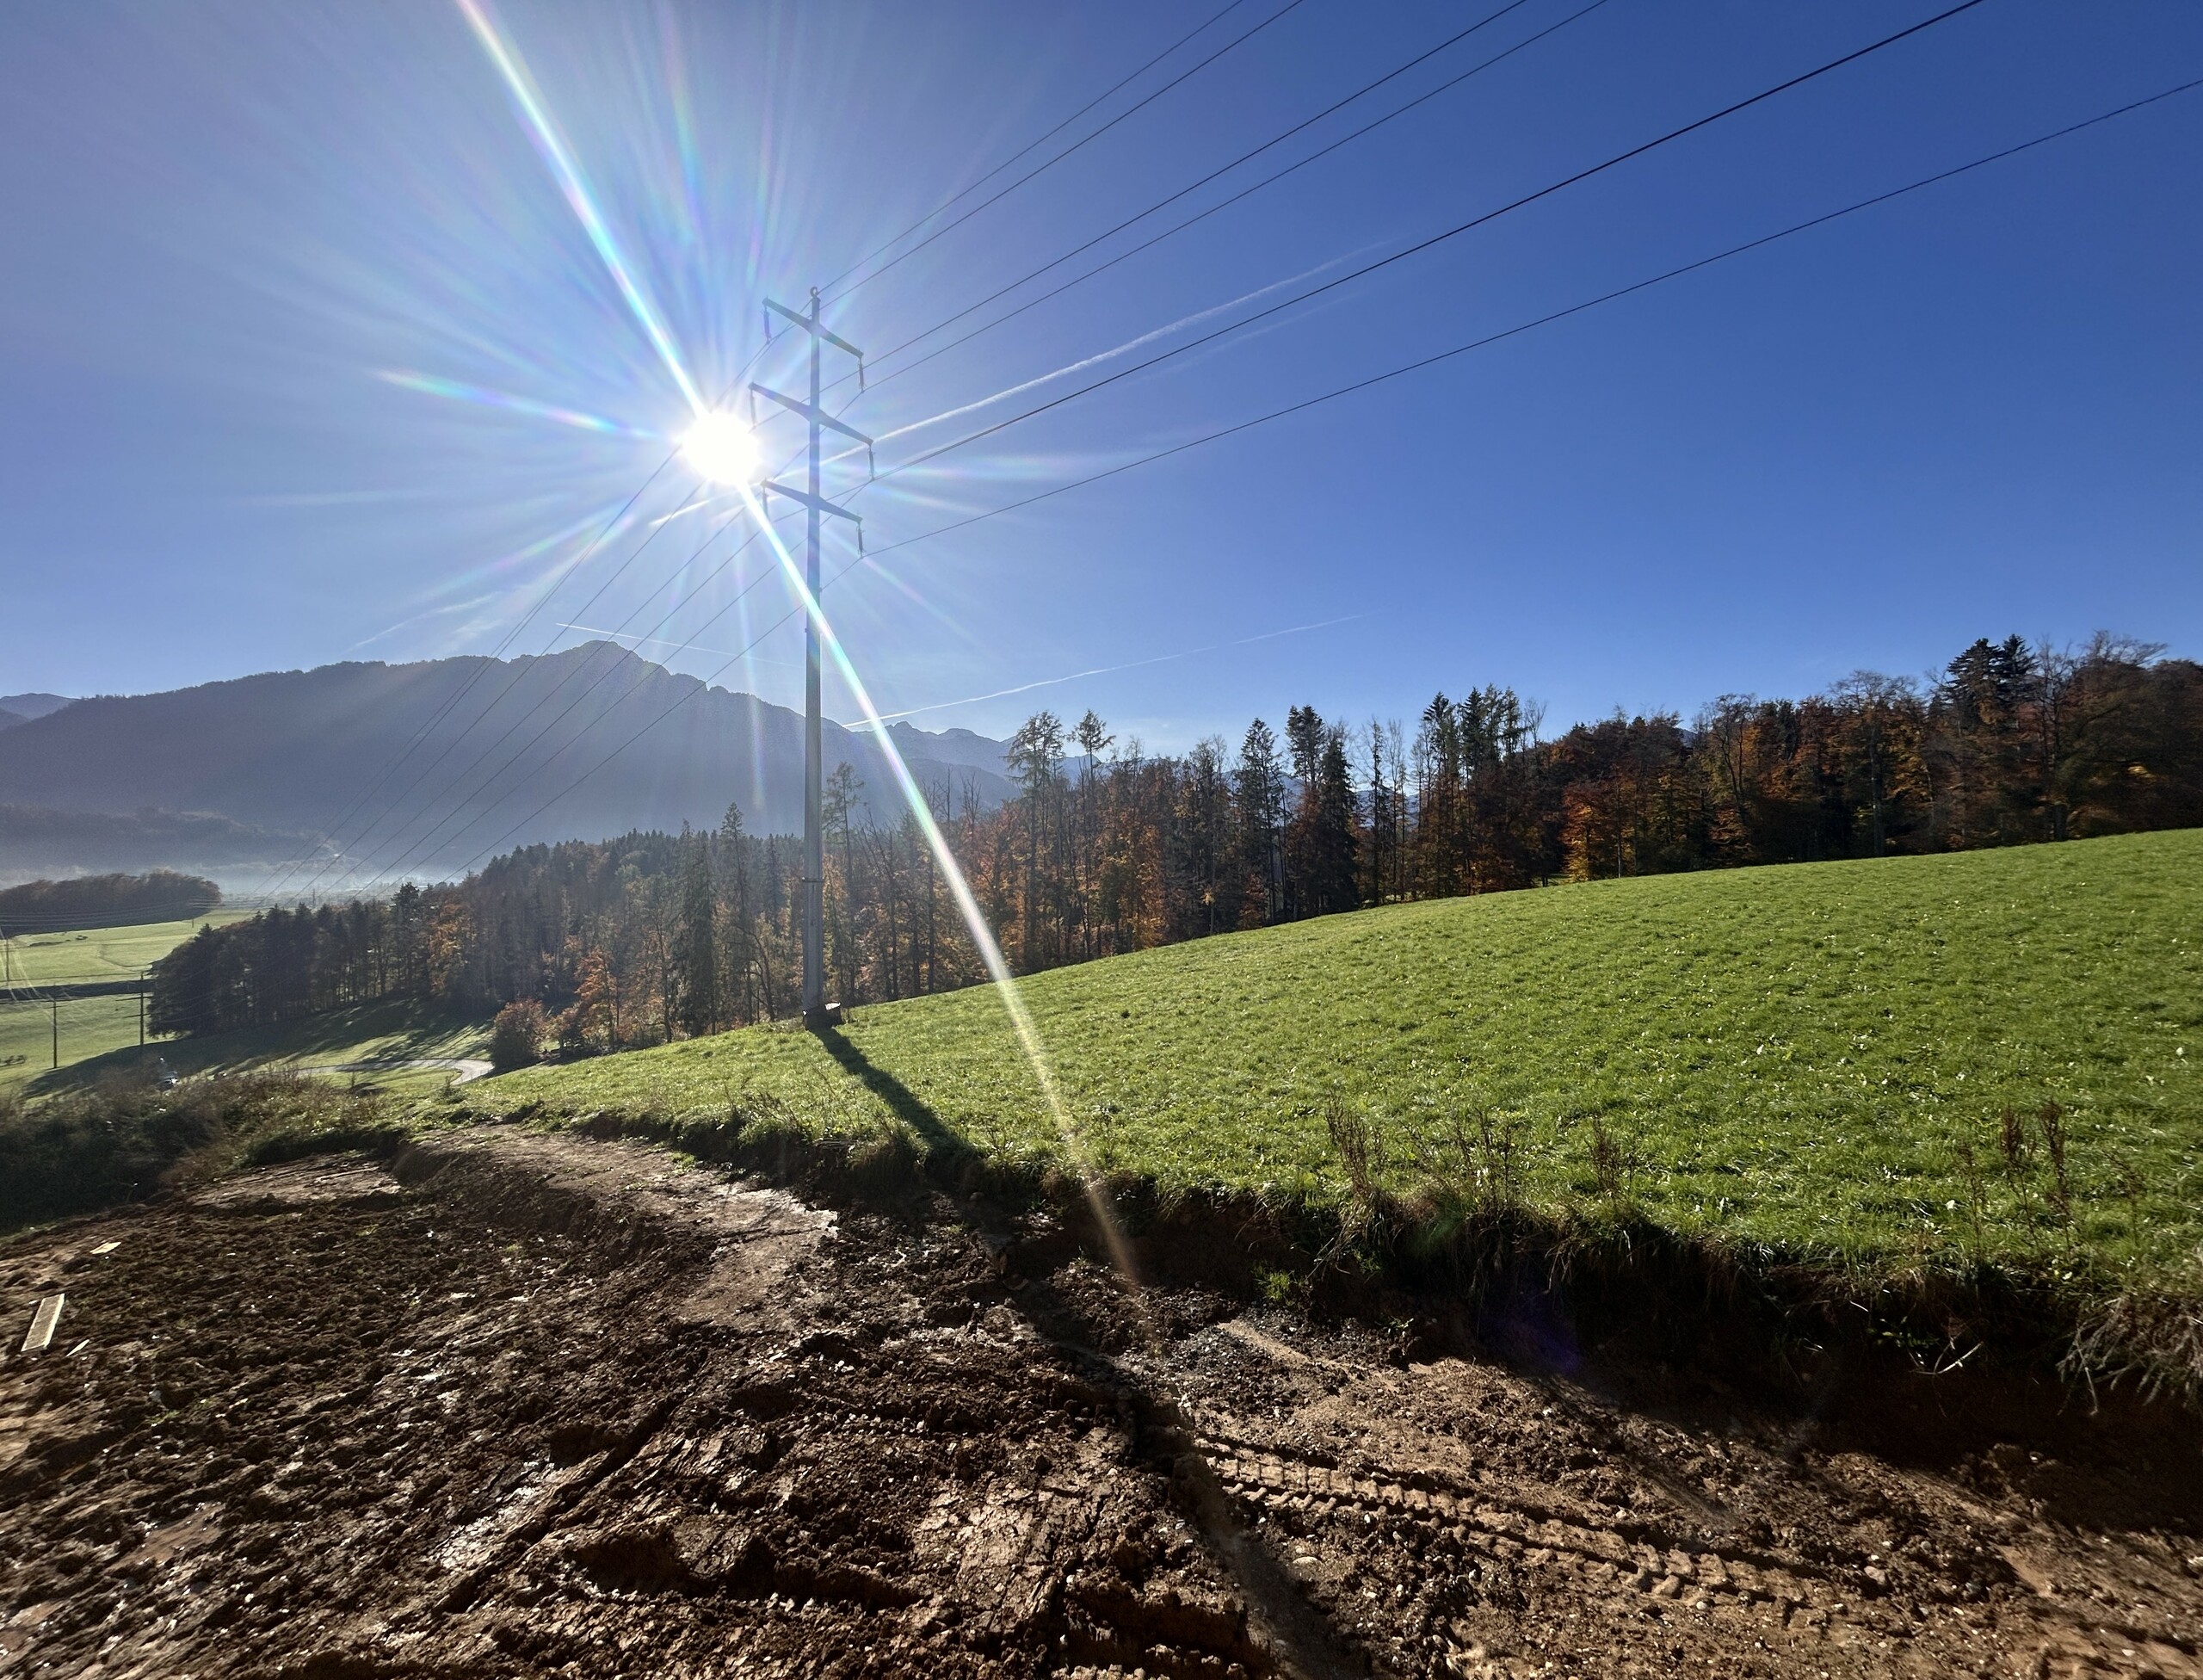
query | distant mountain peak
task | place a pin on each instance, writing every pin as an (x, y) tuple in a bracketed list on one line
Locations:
[(28, 707), (446, 758)]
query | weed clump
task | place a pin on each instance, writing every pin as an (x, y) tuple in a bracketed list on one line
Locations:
[(128, 1137)]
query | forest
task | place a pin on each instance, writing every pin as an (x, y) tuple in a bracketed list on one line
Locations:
[(1106, 848)]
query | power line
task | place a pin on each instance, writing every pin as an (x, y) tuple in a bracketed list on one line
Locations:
[(417, 848), (958, 197), (1360, 385), (427, 727), (353, 870), (421, 847), (946, 227), (1243, 157), (1434, 240), (1517, 330), (1199, 216), (512, 635), (721, 670), (514, 674), (1417, 365), (518, 668)]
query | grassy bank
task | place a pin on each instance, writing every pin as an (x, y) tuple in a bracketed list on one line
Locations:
[(1818, 1058), (104, 1130)]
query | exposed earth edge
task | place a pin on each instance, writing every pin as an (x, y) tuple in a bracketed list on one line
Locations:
[(511, 1404)]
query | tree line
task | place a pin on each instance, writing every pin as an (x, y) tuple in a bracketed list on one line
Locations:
[(1106, 848), (105, 901)]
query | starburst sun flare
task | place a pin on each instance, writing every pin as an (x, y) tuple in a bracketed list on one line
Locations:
[(722, 448)]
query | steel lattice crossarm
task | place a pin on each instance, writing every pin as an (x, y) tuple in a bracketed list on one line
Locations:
[(809, 324)]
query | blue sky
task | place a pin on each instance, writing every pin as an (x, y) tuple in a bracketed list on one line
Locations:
[(304, 355)]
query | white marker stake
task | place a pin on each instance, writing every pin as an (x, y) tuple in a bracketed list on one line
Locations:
[(41, 1335)]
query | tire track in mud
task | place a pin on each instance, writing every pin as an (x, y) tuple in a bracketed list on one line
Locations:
[(537, 1407), (1817, 1605)]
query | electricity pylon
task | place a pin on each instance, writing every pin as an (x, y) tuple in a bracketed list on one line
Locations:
[(815, 1012)]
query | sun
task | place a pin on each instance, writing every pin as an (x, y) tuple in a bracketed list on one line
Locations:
[(722, 448)]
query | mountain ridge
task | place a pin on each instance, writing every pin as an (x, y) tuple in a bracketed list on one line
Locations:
[(28, 707), (292, 751)]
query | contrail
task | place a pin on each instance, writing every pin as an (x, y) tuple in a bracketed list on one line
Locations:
[(1104, 671), (552, 146)]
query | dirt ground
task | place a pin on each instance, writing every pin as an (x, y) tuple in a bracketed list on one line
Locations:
[(520, 1406)]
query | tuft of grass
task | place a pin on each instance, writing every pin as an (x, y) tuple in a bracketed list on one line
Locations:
[(127, 1138), (1816, 1060)]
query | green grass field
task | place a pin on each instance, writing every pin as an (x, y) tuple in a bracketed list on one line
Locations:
[(1794, 1055), (102, 953), (90, 1026), (394, 1030)]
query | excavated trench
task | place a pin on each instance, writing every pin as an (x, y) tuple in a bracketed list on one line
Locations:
[(518, 1405)]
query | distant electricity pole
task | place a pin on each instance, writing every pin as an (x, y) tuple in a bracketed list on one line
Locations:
[(815, 1013)]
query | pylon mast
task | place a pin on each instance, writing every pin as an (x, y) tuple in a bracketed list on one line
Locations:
[(814, 1010)]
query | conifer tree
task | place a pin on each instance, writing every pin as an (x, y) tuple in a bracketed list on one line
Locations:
[(697, 953), (1258, 787)]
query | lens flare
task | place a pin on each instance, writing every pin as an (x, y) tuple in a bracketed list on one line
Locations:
[(435, 385), (722, 448), (559, 156), (1021, 1019)]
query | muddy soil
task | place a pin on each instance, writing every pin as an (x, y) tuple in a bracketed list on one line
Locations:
[(519, 1405)]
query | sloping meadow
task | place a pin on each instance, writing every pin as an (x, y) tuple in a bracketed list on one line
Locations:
[(1980, 1061)]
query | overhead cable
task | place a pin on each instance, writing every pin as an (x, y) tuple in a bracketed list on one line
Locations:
[(1421, 363), (958, 197), (1522, 327), (878, 379), (1429, 244), (459, 691), (422, 846), (946, 227), (329, 831)]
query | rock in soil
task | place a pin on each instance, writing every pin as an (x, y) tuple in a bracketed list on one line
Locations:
[(525, 1405)]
